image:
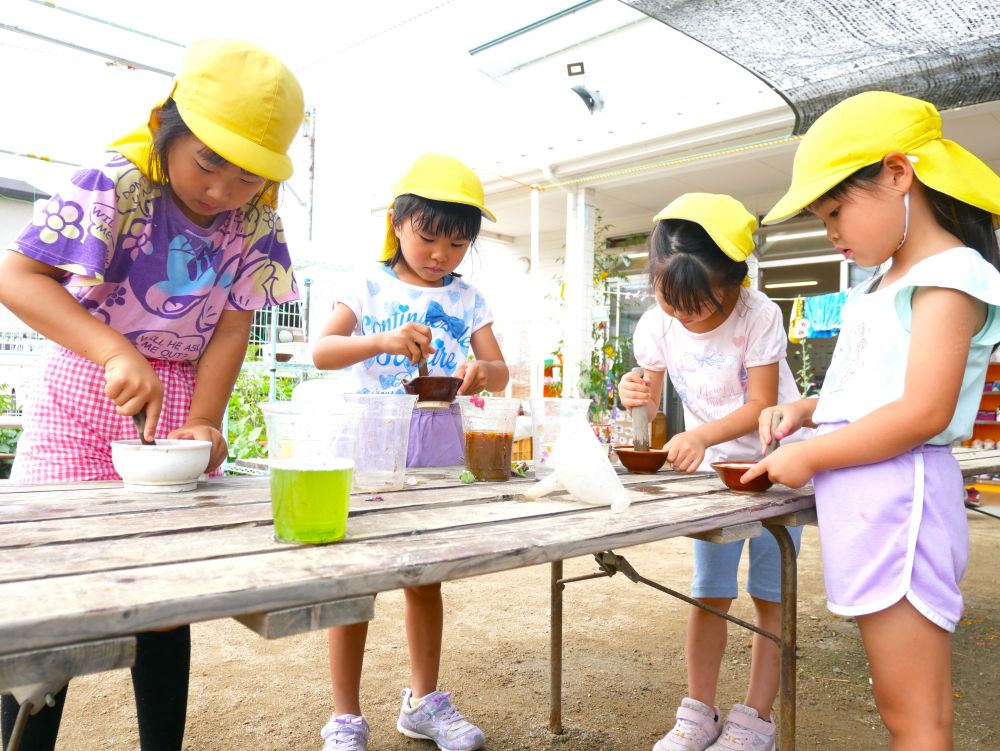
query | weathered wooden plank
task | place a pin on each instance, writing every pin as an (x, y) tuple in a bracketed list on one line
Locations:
[(55, 666), (99, 501), (210, 516), (89, 554), (45, 561), (87, 495), (56, 611), (796, 518), (978, 466), (281, 623), (213, 512), (732, 533)]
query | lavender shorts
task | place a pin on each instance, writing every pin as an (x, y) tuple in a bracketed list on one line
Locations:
[(436, 438), (894, 529)]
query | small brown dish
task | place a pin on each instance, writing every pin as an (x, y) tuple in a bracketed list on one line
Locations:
[(433, 388), (731, 472), (641, 462)]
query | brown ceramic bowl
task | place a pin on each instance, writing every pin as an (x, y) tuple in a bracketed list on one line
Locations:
[(731, 472), (641, 462), (433, 388)]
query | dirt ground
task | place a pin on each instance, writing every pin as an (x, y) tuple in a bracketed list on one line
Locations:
[(624, 669)]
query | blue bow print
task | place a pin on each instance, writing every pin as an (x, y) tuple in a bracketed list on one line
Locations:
[(437, 317)]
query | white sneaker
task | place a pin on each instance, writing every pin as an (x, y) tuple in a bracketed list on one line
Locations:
[(434, 718), (697, 727), (345, 732), (745, 731)]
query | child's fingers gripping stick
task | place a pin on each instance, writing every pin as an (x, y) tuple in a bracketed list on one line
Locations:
[(768, 427), (633, 390)]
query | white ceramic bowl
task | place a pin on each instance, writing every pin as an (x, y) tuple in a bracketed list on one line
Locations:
[(169, 466)]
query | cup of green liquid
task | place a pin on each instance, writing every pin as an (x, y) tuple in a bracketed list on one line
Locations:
[(311, 460)]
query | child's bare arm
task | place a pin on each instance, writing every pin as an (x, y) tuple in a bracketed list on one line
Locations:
[(944, 321), (337, 348), (30, 289), (686, 450), (488, 372)]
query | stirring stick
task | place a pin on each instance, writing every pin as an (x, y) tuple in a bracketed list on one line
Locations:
[(775, 420), (139, 418), (640, 423)]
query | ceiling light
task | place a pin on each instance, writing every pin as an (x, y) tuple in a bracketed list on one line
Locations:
[(796, 235), (782, 285)]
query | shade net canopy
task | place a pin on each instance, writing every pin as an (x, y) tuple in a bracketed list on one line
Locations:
[(815, 53)]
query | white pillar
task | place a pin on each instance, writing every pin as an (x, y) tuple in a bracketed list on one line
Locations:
[(577, 343), (535, 348)]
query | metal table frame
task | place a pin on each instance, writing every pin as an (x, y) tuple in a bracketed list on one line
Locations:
[(610, 564)]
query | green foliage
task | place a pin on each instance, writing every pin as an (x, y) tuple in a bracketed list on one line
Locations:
[(609, 355), (804, 375), (247, 437), (8, 436)]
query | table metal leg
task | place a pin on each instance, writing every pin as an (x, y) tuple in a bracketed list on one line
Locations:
[(786, 695), (555, 647)]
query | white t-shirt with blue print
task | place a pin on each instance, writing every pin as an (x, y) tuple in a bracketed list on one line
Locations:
[(381, 302)]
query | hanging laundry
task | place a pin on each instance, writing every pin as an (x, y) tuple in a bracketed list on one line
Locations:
[(823, 314)]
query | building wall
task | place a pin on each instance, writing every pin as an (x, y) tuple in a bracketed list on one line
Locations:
[(14, 214)]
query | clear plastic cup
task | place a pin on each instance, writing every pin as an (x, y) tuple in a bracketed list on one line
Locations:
[(488, 424), (311, 460), (547, 418), (383, 439)]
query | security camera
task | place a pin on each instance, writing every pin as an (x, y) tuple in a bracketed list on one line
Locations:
[(591, 98)]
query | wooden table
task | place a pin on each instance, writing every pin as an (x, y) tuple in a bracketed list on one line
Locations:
[(83, 567)]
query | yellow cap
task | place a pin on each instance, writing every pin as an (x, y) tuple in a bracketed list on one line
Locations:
[(725, 219), (438, 178), (861, 130), (239, 100)]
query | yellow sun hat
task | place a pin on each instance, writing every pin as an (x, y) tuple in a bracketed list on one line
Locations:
[(239, 100), (438, 178), (725, 219), (861, 130)]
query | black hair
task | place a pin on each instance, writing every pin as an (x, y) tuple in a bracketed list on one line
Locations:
[(970, 224), (686, 265), (171, 127), (435, 218)]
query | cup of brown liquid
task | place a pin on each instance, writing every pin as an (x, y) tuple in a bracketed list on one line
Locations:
[(488, 424)]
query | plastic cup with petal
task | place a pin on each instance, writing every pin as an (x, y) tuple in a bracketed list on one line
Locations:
[(488, 424), (383, 439), (547, 418), (311, 463)]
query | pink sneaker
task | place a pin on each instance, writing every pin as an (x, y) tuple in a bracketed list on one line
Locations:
[(745, 731), (698, 725)]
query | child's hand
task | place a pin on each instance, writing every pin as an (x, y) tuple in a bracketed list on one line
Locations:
[(131, 383), (685, 451), (793, 417), (633, 390), (788, 465), (412, 340), (201, 430), (473, 377)]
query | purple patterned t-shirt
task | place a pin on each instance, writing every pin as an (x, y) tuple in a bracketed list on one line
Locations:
[(138, 264)]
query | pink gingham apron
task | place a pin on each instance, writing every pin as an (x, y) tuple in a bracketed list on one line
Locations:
[(70, 423)]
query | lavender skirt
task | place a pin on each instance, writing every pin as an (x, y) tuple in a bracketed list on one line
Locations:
[(894, 529), (436, 438)]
